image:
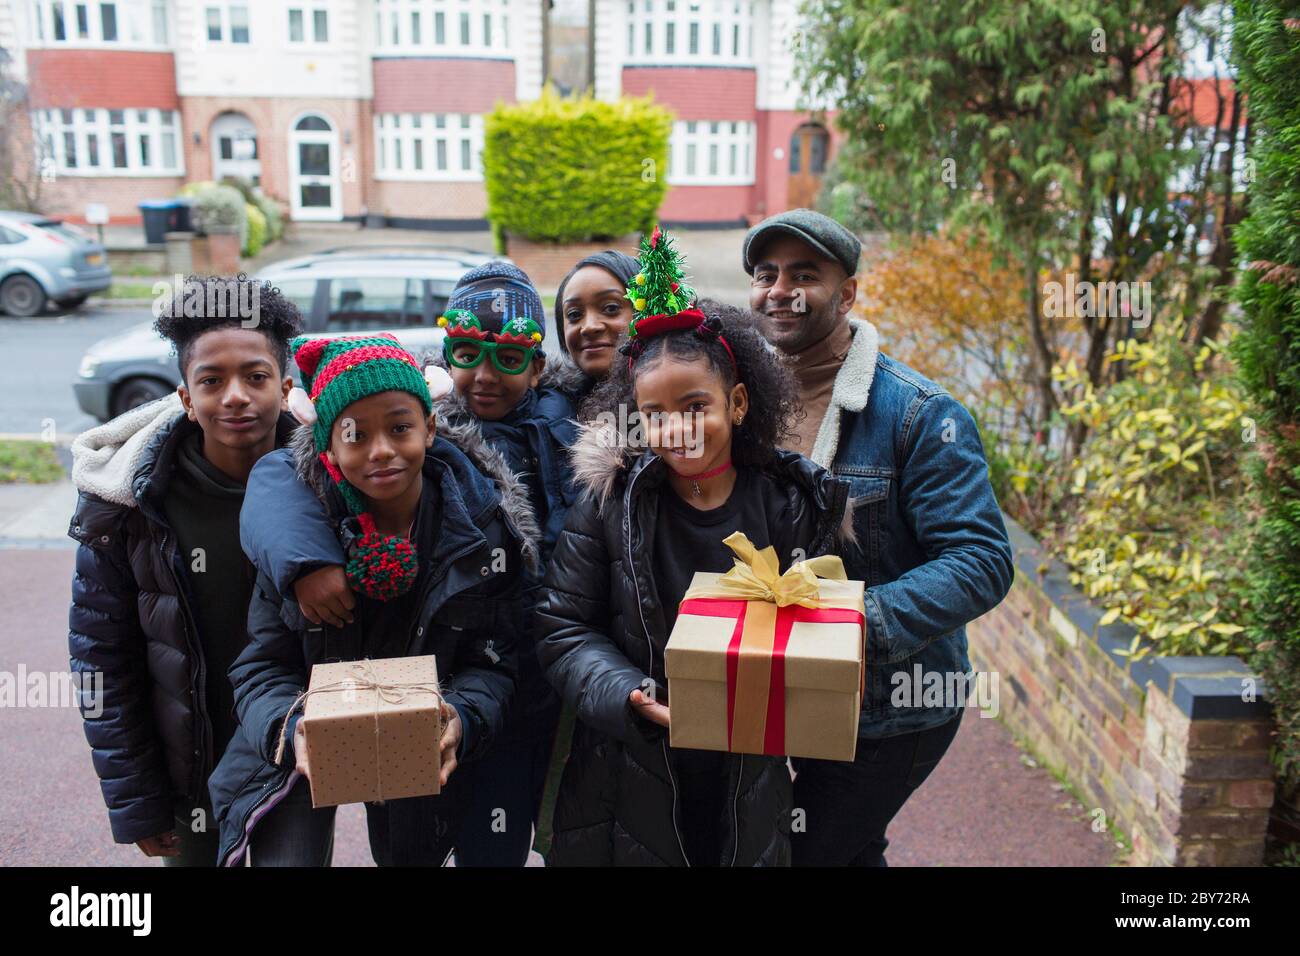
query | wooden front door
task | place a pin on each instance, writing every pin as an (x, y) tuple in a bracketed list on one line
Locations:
[(809, 146)]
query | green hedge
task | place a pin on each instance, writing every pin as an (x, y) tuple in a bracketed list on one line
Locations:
[(575, 170), (1266, 48)]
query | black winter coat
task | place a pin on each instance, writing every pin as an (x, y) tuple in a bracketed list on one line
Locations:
[(618, 798), (470, 613), (131, 620)]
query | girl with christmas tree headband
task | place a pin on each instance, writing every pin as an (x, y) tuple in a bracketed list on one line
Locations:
[(714, 403)]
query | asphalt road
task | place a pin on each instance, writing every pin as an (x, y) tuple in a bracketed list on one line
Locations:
[(41, 356)]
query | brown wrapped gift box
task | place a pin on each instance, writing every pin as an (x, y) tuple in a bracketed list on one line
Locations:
[(372, 730), (822, 675)]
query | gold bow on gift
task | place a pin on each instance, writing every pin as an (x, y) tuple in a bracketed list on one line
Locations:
[(757, 577)]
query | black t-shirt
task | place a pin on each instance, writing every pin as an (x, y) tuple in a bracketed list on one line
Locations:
[(687, 539), (202, 506)]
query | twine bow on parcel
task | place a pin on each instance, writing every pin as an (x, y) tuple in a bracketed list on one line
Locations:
[(390, 692), (765, 605)]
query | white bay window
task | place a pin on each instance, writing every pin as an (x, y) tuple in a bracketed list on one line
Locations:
[(428, 146), (442, 27), (104, 142), (705, 153)]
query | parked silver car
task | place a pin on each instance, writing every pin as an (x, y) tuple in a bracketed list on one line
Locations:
[(398, 289), (43, 259)]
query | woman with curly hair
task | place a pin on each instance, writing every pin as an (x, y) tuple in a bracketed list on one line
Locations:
[(714, 403)]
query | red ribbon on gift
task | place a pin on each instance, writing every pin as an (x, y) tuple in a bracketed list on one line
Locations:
[(786, 618)]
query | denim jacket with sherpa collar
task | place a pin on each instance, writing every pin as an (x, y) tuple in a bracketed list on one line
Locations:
[(931, 543)]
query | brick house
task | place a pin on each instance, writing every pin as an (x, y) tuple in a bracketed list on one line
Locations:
[(344, 108)]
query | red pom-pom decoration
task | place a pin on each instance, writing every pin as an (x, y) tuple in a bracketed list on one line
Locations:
[(382, 566)]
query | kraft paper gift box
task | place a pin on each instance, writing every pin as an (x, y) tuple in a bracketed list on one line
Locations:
[(764, 663), (372, 730)]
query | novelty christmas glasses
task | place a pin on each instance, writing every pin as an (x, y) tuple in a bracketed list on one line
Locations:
[(467, 344)]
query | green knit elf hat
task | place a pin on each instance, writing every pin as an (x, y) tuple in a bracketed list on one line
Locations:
[(339, 371)]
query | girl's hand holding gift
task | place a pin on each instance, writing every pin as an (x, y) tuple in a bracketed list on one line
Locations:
[(648, 708), (450, 741)]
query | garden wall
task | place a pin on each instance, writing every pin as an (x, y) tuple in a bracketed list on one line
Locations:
[(1172, 750)]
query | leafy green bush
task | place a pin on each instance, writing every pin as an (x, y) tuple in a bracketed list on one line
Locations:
[(1151, 514), (1266, 48), (220, 209), (274, 218), (574, 170), (256, 230)]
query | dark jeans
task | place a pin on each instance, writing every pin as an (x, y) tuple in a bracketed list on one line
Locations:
[(293, 833), (505, 791), (505, 794), (413, 831), (702, 799), (199, 839), (847, 806)]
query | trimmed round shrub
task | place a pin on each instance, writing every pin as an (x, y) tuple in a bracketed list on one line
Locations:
[(577, 169)]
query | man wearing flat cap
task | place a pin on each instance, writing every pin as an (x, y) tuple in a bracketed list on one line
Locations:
[(931, 543)]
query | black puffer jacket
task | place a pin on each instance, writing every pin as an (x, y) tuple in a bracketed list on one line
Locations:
[(130, 620), (618, 797), (469, 616)]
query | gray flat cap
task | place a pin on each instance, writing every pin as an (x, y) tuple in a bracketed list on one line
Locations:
[(824, 234)]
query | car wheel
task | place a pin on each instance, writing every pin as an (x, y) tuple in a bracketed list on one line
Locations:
[(138, 391), (75, 302), (22, 296)]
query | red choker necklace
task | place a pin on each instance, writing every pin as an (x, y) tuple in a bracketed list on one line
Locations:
[(711, 473)]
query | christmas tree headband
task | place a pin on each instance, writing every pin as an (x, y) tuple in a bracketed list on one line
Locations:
[(663, 302)]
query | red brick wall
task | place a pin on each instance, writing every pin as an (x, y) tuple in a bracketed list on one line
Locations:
[(442, 85), (107, 79), (67, 196), (696, 93), (428, 200), (706, 203)]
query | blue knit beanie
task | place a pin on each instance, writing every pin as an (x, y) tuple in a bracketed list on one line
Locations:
[(497, 292)]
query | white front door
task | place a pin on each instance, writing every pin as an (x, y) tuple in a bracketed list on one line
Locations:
[(314, 169), (234, 148)]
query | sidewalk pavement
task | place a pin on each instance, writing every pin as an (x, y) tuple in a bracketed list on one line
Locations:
[(37, 516), (987, 803)]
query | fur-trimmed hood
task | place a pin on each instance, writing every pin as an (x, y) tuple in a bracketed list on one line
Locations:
[(603, 461), (106, 458), (462, 437)]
